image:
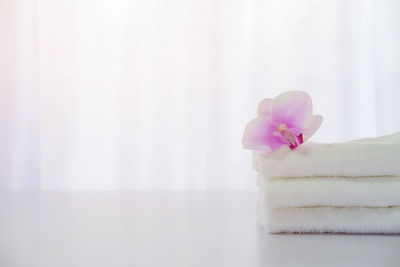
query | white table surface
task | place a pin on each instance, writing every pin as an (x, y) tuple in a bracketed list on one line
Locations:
[(166, 229)]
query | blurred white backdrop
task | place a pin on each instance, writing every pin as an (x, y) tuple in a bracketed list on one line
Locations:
[(155, 94)]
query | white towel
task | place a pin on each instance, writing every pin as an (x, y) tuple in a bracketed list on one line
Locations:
[(339, 191), (330, 219), (364, 157), (351, 187)]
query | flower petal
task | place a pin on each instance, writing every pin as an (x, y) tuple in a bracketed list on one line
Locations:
[(259, 135), (294, 108), (312, 126), (264, 108)]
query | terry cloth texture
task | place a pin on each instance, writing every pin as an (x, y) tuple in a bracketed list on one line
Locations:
[(350, 187), (364, 157)]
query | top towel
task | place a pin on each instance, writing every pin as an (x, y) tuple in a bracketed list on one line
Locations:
[(364, 157)]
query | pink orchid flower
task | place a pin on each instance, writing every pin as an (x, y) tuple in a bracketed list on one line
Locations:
[(285, 120)]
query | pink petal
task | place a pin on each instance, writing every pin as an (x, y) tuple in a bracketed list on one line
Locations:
[(312, 126), (294, 108), (259, 135), (264, 108), (296, 130)]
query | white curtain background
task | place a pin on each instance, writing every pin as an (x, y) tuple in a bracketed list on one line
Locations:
[(148, 95)]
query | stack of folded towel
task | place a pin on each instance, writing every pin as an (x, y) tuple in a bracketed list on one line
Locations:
[(351, 187)]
